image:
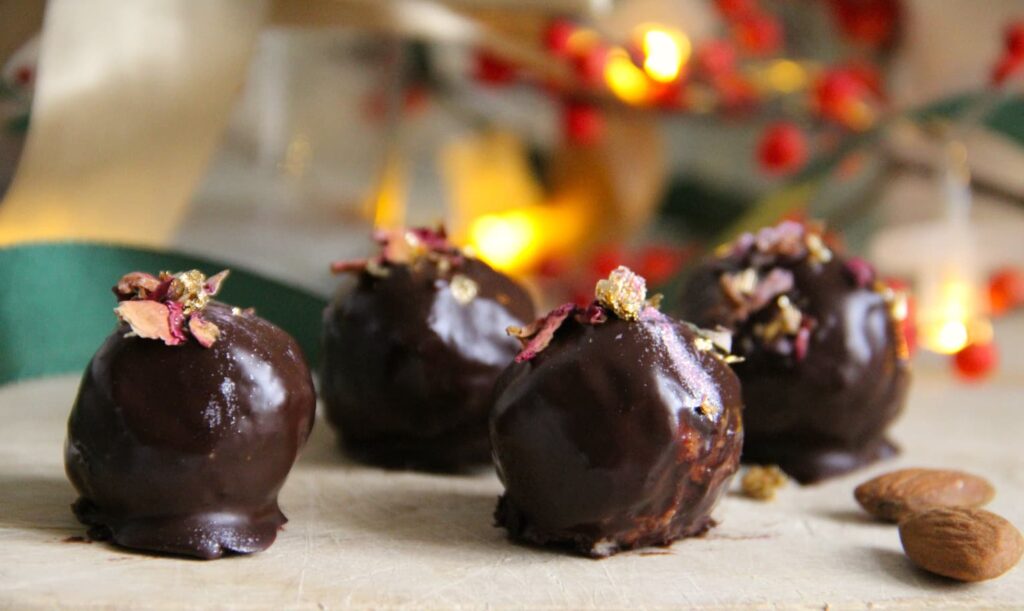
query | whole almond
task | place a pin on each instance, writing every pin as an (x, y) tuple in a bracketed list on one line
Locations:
[(962, 543), (897, 494)]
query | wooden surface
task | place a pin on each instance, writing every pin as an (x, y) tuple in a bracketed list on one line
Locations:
[(361, 537)]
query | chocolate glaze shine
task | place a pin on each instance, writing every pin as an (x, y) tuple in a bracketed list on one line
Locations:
[(825, 414), (601, 442), (409, 368), (183, 449)]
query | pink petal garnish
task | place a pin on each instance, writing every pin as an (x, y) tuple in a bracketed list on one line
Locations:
[(205, 332), (536, 336), (777, 282), (405, 245), (148, 319), (350, 265), (434, 239), (742, 245), (801, 343), (861, 272), (595, 314), (136, 284), (212, 284), (176, 322), (160, 292)]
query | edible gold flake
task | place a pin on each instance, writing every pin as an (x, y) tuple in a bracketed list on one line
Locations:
[(703, 344), (709, 409), (187, 288), (377, 269), (443, 264), (463, 288), (786, 322), (816, 249), (762, 482), (623, 292)]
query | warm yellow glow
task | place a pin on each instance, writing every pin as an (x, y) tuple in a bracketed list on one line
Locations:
[(582, 39), (389, 202), (946, 327), (506, 241), (786, 76), (626, 81), (666, 51), (949, 337)]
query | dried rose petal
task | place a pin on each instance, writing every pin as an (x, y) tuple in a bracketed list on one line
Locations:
[(785, 239), (213, 283), (205, 332), (777, 282), (161, 292), (860, 271), (136, 284), (176, 320), (148, 319), (742, 245), (802, 342), (434, 239), (350, 265), (595, 314), (536, 336)]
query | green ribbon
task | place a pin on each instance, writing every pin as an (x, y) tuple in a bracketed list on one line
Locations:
[(56, 306)]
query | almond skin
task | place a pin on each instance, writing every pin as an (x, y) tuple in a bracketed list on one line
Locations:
[(898, 494), (961, 543)]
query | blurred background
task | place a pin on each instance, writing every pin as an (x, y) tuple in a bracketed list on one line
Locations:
[(555, 138)]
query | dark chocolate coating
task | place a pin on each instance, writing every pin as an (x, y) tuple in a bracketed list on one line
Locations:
[(183, 449), (825, 414), (601, 443), (408, 370)]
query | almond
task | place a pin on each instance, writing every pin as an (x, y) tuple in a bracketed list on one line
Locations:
[(897, 494), (962, 543)]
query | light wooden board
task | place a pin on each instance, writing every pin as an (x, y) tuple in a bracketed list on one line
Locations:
[(361, 537)]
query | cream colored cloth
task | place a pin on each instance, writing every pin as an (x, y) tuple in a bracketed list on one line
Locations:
[(130, 103)]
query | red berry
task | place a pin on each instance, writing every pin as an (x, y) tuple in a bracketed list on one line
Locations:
[(871, 22), (658, 263), (868, 76), (759, 34), (735, 9), (551, 266), (493, 70), (1006, 290), (606, 260), (976, 361), (590, 64), (557, 35), (837, 92), (23, 75), (583, 123), (1015, 39), (735, 92), (715, 58), (783, 149), (1007, 66)]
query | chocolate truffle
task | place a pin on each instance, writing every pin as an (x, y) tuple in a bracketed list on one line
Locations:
[(187, 422), (617, 427), (411, 353), (825, 367)]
